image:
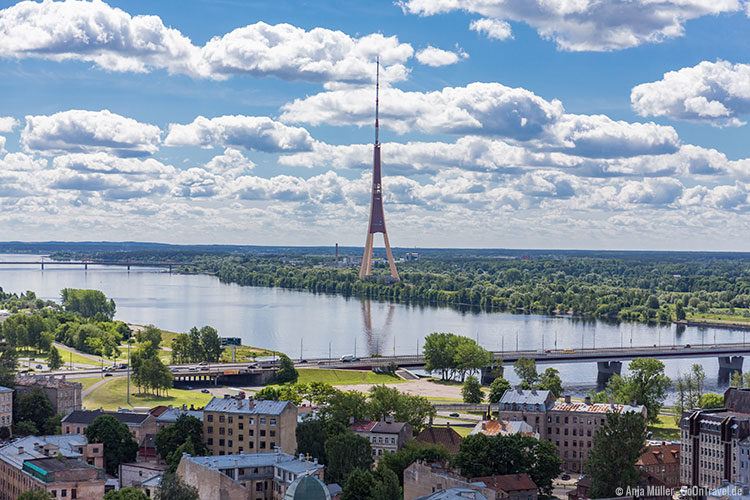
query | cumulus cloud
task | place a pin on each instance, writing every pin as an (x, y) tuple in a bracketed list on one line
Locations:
[(89, 131), (587, 25), (657, 191), (432, 56), (494, 29), (258, 133), (7, 124), (116, 41), (711, 92), (232, 162)]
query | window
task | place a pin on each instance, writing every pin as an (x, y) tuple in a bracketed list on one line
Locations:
[(240, 426), (262, 445), (230, 419), (221, 442), (566, 420), (221, 430), (241, 437), (273, 421), (73, 493), (262, 420), (221, 418), (63, 493), (272, 433), (210, 429), (210, 418), (229, 443), (262, 433), (251, 432), (210, 441)]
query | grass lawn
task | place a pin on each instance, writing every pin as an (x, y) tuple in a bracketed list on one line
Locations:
[(739, 316), (462, 431), (111, 396), (665, 430), (65, 354), (344, 377), (87, 382)]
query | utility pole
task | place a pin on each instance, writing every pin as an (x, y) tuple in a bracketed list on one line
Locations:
[(300, 350), (394, 346), (329, 351), (129, 340), (355, 347)]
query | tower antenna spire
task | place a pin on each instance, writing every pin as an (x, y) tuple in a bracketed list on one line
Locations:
[(377, 96)]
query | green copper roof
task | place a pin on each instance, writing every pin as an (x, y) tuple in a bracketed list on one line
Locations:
[(307, 488)]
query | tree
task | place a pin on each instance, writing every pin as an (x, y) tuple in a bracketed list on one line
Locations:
[(127, 493), (470, 357), (679, 311), (525, 369), (311, 439), (181, 348), (195, 351), (646, 385), (35, 495), (358, 485), (185, 428), (119, 445), (54, 360), (439, 353), (497, 389), (410, 453), (25, 428), (173, 459), (386, 485), (711, 400), (87, 303), (389, 401), (35, 407), (341, 405), (346, 452), (4, 432), (210, 343), (472, 390), (286, 373), (173, 488), (617, 446), (550, 381)]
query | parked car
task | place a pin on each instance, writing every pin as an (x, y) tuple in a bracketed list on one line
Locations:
[(203, 363), (107, 374), (347, 359), (687, 346), (565, 477), (123, 366), (253, 366), (205, 391), (454, 415), (38, 367), (173, 369)]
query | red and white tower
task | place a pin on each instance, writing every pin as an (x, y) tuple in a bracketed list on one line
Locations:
[(377, 219)]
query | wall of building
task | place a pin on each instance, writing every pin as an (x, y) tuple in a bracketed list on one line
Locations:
[(214, 485), (229, 433), (421, 479)]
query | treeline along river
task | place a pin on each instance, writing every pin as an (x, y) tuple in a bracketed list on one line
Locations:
[(291, 321)]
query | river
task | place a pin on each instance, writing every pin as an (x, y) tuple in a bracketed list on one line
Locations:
[(300, 322)]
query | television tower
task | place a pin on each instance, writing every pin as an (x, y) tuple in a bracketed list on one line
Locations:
[(377, 219)]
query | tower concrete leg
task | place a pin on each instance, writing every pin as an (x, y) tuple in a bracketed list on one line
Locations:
[(391, 262), (605, 370), (364, 269)]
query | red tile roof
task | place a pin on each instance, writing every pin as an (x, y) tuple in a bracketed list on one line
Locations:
[(442, 436), (664, 454), (508, 482)]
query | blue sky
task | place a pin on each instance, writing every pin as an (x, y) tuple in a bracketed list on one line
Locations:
[(612, 125)]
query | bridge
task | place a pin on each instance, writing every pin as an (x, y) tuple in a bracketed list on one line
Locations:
[(608, 359), (90, 262)]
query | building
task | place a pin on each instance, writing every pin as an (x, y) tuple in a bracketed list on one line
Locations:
[(151, 486), (307, 488), (570, 425), (65, 396), (147, 448), (134, 474), (252, 476), (504, 428), (455, 493), (233, 425), (32, 463), (663, 462), (385, 436), (444, 436), (729, 491), (422, 479), (139, 424), (510, 486), (6, 407), (170, 415), (710, 447)]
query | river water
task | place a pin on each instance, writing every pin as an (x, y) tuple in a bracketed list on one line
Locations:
[(296, 321)]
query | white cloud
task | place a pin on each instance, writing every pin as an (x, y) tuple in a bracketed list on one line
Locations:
[(582, 25), (661, 191), (7, 124), (116, 41), (249, 132), (494, 29), (103, 163), (432, 56), (712, 92), (232, 162), (78, 130)]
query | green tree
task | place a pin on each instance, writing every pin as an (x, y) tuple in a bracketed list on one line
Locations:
[(4, 432), (87, 303), (497, 389), (525, 369), (174, 458), (439, 353), (54, 360), (711, 400), (286, 373), (386, 486), (341, 405), (389, 401), (210, 343), (550, 380), (618, 444), (311, 439), (358, 485), (346, 452), (181, 349), (646, 385), (35, 494), (127, 493), (679, 311), (25, 428), (185, 428), (472, 390), (195, 351), (174, 488), (410, 453), (470, 357), (119, 445), (35, 407)]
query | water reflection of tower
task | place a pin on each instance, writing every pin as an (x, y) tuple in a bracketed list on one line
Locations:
[(375, 341)]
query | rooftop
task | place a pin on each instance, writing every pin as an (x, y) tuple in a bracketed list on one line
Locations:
[(85, 417), (503, 428), (171, 415), (378, 426), (660, 455), (16, 452), (578, 407), (507, 482), (247, 406), (5, 389), (46, 381), (441, 435), (529, 397), (456, 493), (284, 461)]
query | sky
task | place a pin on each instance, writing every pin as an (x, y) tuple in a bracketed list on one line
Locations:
[(590, 124)]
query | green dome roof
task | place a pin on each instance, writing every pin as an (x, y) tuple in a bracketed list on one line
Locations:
[(307, 488)]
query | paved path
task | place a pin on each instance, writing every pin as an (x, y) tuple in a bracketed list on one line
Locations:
[(88, 391), (80, 353)]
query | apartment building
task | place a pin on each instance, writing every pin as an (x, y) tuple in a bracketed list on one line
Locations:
[(251, 476), (443, 436), (234, 425), (662, 461), (712, 440), (423, 479), (170, 415), (65, 396), (568, 424), (6, 406), (504, 428), (32, 463), (385, 436), (139, 424), (136, 473), (510, 486)]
